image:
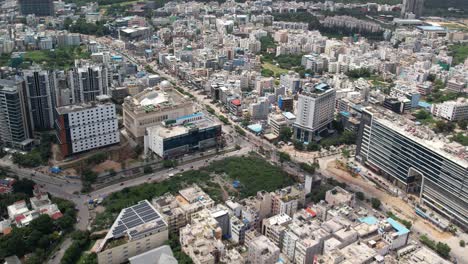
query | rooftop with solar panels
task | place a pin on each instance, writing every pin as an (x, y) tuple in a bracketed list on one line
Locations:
[(133, 223)]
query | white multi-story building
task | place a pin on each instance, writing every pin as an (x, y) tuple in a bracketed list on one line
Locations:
[(151, 107), (86, 126), (315, 111), (263, 251), (273, 228), (452, 111), (137, 229), (88, 82)]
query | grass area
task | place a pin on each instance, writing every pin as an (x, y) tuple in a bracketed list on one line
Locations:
[(62, 58), (459, 53), (275, 69), (252, 171), (121, 3), (460, 138)]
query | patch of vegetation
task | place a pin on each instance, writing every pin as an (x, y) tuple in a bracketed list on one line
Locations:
[(148, 69), (406, 223), (210, 109), (224, 119), (359, 73), (438, 95), (60, 58), (283, 156), (375, 203), (40, 236), (460, 138), (345, 138), (174, 243), (441, 248), (170, 163), (269, 67), (38, 156), (253, 172), (285, 134), (424, 116), (267, 72), (360, 196), (240, 130), (459, 53), (182, 91), (267, 42), (80, 242), (285, 62), (83, 27), (308, 167)]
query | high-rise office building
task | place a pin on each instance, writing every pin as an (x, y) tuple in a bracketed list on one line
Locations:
[(87, 82), (315, 111), (39, 94), (414, 159), (412, 7), (15, 130), (83, 127), (37, 7)]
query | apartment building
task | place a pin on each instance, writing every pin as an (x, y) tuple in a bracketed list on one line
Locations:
[(40, 99), (15, 128), (85, 127), (262, 251), (452, 110), (274, 227), (177, 210), (137, 229)]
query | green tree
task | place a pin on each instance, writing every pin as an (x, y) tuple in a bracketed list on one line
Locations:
[(89, 176), (66, 222), (24, 186), (462, 243), (298, 145), (147, 169), (375, 203), (462, 124), (285, 134), (422, 114), (360, 196), (283, 156), (43, 224), (312, 146), (169, 163), (443, 249), (345, 153)]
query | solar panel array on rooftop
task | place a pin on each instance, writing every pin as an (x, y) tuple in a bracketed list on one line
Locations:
[(134, 216)]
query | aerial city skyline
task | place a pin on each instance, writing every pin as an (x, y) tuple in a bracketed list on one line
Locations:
[(232, 131)]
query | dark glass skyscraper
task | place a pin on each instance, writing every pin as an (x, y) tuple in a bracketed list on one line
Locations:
[(40, 100), (37, 7)]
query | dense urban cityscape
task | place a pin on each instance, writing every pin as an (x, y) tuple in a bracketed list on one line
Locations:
[(233, 131)]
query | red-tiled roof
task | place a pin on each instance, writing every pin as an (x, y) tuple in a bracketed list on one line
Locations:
[(56, 215), (19, 218), (236, 102), (311, 212)]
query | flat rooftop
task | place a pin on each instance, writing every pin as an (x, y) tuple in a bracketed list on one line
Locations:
[(419, 134), (79, 107), (173, 131)]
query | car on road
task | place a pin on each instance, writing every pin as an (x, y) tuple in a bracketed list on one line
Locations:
[(121, 184)]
